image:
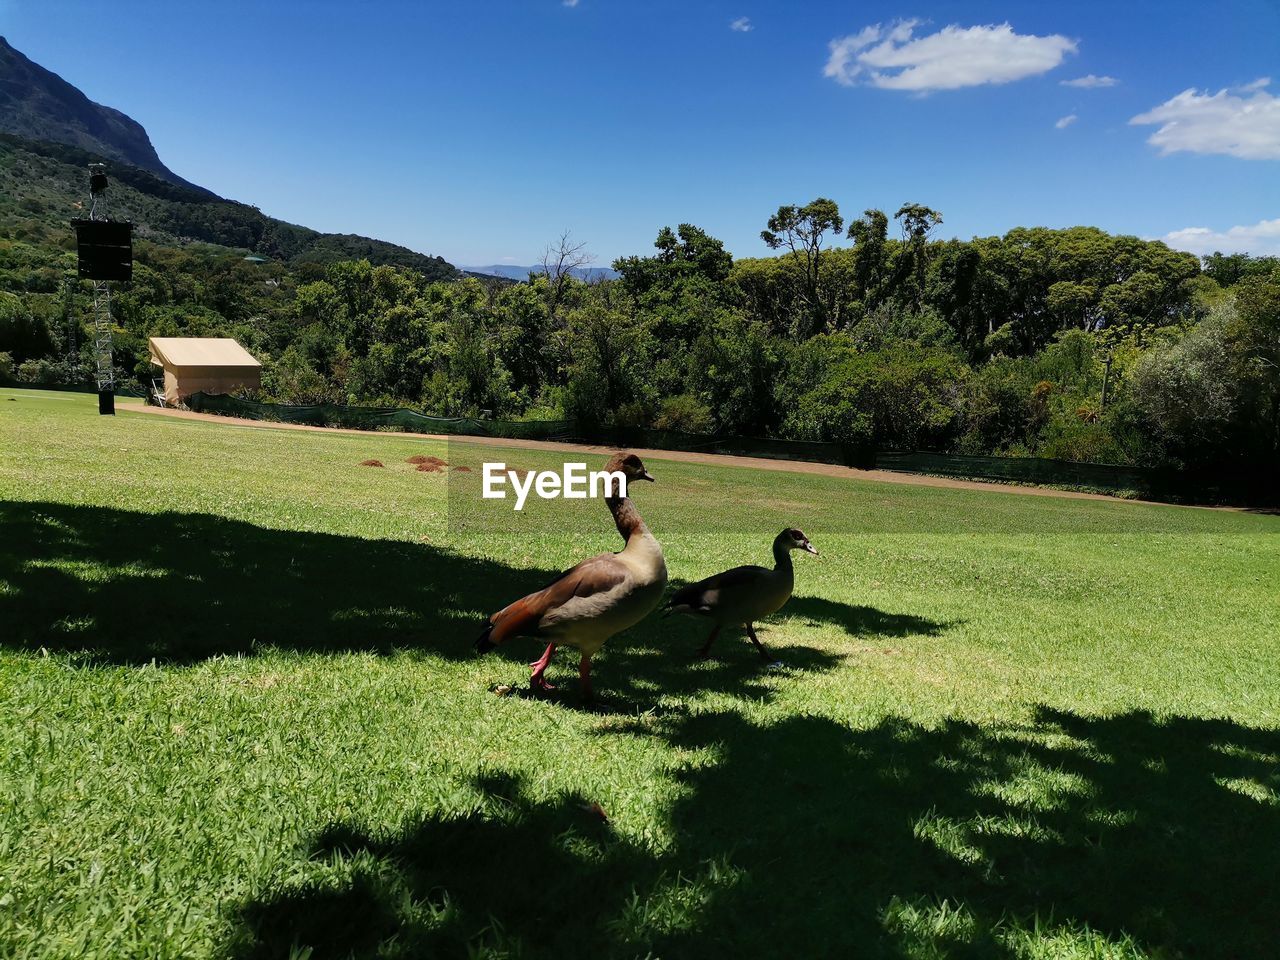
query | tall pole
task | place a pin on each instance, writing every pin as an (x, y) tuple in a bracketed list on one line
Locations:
[(102, 329)]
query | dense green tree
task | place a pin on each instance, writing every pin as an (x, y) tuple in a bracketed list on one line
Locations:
[(869, 234), (803, 231), (1228, 269), (606, 382), (735, 367), (901, 398), (686, 254), (1190, 395), (23, 334), (917, 222), (1254, 334)]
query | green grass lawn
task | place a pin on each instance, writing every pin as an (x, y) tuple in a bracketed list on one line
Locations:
[(242, 717)]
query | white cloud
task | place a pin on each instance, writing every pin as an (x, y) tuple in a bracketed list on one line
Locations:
[(1090, 82), (569, 3), (1064, 122), (1242, 123), (1259, 239), (742, 25), (953, 57)]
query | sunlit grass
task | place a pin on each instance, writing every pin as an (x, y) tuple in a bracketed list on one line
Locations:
[(242, 714)]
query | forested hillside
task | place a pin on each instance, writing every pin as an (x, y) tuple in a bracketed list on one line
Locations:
[(45, 185), (871, 332), (37, 104)]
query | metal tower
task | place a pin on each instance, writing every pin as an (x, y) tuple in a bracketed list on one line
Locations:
[(102, 342)]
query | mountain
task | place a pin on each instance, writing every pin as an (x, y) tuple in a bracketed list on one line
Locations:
[(48, 183), (49, 131), (522, 273), (37, 104)]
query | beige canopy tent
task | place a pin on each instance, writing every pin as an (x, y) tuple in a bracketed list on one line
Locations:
[(211, 364)]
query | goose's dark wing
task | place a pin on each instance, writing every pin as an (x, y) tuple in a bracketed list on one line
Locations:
[(694, 596)]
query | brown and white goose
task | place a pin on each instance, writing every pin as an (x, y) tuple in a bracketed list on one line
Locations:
[(601, 596), (743, 595)]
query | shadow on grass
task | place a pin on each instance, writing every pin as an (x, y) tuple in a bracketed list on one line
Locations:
[(126, 587), (859, 620), (123, 587), (1121, 836)]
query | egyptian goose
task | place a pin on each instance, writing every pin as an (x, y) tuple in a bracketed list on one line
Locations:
[(601, 596), (743, 595)]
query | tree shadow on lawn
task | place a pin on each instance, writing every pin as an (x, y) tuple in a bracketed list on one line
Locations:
[(861, 620), (807, 838), (180, 587)]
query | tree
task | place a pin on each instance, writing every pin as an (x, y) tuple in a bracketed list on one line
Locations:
[(917, 223), (1072, 303), (902, 398), (607, 353), (524, 335), (735, 364), (965, 293), (1190, 394), (803, 231), (869, 234), (352, 282), (23, 334), (1255, 334), (1229, 269), (684, 255), (560, 260)]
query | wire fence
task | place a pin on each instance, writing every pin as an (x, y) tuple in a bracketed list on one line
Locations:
[(1070, 473)]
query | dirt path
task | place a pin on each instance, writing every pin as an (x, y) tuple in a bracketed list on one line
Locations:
[(679, 456)]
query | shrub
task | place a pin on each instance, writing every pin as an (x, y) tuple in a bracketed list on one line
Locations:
[(39, 371), (904, 398), (1189, 394), (685, 413)]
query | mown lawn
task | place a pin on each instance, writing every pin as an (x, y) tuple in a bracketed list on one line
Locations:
[(242, 717)]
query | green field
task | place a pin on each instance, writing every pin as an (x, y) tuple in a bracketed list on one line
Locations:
[(242, 717)]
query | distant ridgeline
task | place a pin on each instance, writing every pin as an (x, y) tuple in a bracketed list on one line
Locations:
[(49, 131), (37, 104), (44, 175)]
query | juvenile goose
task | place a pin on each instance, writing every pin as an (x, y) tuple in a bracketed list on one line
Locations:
[(601, 596), (743, 595)]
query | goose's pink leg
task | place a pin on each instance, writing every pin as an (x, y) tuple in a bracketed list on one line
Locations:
[(539, 667)]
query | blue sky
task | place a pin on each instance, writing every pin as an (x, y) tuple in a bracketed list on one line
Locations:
[(480, 130)]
